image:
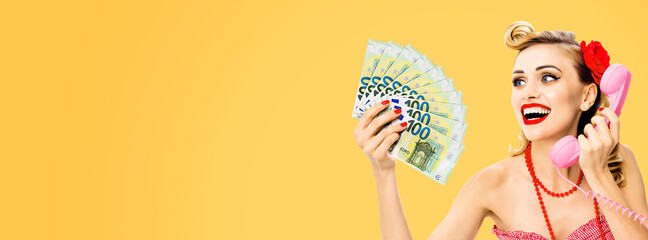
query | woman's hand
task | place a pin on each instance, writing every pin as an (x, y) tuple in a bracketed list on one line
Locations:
[(597, 146), (375, 146)]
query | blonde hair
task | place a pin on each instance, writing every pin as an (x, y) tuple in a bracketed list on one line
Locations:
[(519, 36)]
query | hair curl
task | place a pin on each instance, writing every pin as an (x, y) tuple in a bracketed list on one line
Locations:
[(519, 36)]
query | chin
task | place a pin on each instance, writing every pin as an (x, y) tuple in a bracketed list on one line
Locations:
[(536, 135), (548, 129)]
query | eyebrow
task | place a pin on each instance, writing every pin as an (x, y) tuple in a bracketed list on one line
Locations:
[(538, 68)]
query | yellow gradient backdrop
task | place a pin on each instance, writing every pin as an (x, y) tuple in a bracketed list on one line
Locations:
[(231, 119)]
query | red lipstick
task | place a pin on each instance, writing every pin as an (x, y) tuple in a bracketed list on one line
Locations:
[(536, 120)]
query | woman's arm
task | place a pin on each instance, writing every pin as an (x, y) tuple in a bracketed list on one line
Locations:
[(469, 207), (634, 190), (467, 212), (374, 142), (632, 196), (462, 221), (594, 152), (393, 224)]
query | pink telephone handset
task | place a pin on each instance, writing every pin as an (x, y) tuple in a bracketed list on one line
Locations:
[(614, 83)]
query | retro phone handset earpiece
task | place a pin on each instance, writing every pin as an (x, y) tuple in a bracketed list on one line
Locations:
[(614, 83)]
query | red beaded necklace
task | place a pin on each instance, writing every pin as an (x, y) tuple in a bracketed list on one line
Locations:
[(537, 184)]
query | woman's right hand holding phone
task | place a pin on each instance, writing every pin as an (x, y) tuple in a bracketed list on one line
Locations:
[(376, 144)]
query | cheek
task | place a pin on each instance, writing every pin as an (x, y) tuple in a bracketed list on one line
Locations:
[(515, 101), (561, 97), (564, 103), (516, 98)]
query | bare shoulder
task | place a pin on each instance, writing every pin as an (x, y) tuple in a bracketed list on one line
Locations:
[(473, 203), (498, 172), (626, 153), (633, 188), (629, 166), (495, 176)]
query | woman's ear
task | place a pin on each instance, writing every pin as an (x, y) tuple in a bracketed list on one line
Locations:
[(589, 96)]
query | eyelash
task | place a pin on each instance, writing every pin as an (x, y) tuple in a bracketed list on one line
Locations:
[(550, 75)]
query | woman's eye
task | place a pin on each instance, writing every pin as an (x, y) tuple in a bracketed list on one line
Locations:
[(549, 77), (518, 82)]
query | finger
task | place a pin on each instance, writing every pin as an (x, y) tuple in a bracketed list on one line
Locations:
[(603, 130), (391, 129), (371, 146), (371, 113), (614, 122), (384, 146), (593, 136), (584, 143), (374, 141), (378, 122)]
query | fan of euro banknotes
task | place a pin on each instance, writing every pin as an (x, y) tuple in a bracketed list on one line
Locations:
[(430, 104)]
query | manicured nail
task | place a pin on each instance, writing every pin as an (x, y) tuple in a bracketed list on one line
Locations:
[(385, 102), (397, 111), (600, 109), (403, 124)]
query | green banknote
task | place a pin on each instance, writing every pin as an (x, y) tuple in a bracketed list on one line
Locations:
[(432, 76), (454, 129), (372, 57), (441, 91), (438, 80), (408, 56), (389, 55), (426, 150), (455, 112), (405, 81), (454, 98), (446, 85)]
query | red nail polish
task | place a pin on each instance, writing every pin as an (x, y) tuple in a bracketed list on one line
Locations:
[(397, 111), (600, 109), (403, 124), (385, 102)]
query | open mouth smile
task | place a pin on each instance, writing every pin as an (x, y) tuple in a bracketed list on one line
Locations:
[(534, 113)]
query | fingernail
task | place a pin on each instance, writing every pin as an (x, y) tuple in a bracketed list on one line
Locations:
[(385, 102), (403, 124), (600, 109), (397, 111)]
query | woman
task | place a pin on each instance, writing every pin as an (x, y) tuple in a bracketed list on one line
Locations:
[(554, 94)]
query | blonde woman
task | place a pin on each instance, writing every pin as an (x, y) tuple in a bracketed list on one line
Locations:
[(554, 94)]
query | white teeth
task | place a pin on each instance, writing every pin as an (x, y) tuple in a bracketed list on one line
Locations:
[(536, 110)]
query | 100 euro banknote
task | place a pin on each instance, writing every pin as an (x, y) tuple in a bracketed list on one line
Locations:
[(372, 57), (387, 58), (442, 91), (451, 128), (424, 149), (448, 110), (405, 59)]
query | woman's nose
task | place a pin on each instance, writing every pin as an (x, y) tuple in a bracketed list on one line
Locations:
[(530, 91)]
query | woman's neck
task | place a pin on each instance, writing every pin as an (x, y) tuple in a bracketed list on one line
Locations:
[(546, 170)]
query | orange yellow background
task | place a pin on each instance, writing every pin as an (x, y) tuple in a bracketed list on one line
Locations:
[(231, 119)]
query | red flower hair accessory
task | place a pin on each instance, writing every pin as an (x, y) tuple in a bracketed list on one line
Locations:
[(596, 59)]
